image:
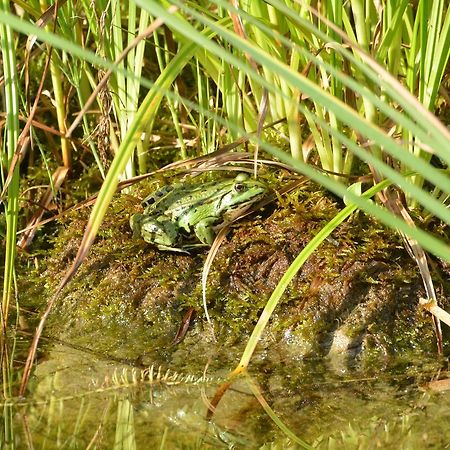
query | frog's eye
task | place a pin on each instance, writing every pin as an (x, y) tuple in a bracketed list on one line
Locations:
[(239, 187)]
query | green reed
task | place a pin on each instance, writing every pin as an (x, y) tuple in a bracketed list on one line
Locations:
[(11, 201)]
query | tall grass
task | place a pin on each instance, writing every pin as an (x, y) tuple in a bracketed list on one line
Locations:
[(370, 132), (294, 95)]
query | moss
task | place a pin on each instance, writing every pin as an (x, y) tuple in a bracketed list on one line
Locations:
[(360, 283)]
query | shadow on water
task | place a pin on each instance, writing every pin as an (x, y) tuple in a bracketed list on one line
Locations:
[(79, 400)]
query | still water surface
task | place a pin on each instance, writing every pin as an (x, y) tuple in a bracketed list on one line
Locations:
[(79, 399)]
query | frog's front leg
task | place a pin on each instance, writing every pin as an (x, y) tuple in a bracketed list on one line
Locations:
[(160, 232), (204, 230)]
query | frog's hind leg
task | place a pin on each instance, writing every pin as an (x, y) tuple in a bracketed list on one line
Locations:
[(204, 230)]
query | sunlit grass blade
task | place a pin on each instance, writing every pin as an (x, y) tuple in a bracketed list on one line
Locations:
[(271, 413), (435, 49), (163, 55), (392, 24), (292, 271), (59, 97), (76, 72), (11, 101)]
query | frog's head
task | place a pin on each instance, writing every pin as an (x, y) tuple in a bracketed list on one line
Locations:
[(243, 189)]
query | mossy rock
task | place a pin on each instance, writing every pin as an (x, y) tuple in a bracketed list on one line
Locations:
[(356, 299)]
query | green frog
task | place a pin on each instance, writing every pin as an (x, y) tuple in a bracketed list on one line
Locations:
[(176, 216)]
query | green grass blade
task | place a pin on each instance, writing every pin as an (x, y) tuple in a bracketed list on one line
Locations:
[(144, 116), (293, 270), (8, 47), (394, 26), (271, 413)]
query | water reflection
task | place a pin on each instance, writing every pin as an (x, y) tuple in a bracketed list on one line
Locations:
[(80, 400)]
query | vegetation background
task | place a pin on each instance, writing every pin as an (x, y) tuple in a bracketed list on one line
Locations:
[(352, 94)]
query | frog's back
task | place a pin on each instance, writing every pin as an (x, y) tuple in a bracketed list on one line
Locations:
[(161, 200)]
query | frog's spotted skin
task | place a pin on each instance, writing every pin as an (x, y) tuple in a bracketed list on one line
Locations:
[(155, 196), (175, 216)]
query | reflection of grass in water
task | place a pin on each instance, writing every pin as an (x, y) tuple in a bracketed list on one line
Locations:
[(7, 351), (377, 433), (132, 409), (125, 436), (402, 432), (103, 417), (7, 432)]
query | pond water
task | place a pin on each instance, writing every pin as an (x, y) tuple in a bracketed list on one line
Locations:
[(79, 398)]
